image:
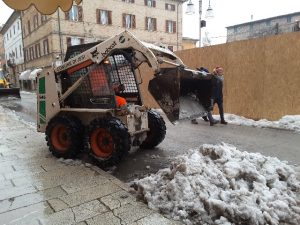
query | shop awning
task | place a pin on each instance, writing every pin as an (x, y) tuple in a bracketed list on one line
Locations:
[(25, 75), (34, 73)]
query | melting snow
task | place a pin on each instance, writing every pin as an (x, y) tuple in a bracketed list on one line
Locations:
[(218, 184), (288, 122)]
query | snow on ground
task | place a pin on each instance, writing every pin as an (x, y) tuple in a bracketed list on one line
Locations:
[(14, 115), (218, 184), (288, 122), (28, 93)]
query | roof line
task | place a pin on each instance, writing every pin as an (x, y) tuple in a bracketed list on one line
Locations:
[(261, 20)]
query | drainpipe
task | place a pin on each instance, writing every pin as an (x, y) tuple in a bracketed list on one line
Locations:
[(60, 37)]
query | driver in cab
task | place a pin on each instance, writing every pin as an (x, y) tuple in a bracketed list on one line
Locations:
[(120, 100)]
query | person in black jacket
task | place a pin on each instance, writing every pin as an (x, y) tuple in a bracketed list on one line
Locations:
[(208, 118), (217, 91)]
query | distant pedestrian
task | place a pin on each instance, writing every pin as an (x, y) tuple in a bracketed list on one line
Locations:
[(217, 91)]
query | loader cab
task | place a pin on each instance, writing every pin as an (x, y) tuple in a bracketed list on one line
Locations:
[(96, 91)]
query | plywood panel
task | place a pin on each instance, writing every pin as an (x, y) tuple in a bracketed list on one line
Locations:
[(262, 76)]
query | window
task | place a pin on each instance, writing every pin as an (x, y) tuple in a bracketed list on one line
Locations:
[(235, 29), (170, 26), (46, 47), (31, 53), (103, 17), (20, 48), (75, 13), (150, 24), (10, 33), (289, 19), (128, 1), (74, 41), (38, 50), (14, 29), (18, 24), (24, 31), (128, 21), (35, 21), (43, 19), (268, 23), (29, 29), (16, 53), (170, 7), (251, 27), (150, 3), (26, 55)]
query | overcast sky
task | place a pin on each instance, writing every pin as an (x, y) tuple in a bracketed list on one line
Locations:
[(231, 12), (227, 12)]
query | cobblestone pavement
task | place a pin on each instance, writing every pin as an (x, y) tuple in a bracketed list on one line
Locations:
[(38, 189)]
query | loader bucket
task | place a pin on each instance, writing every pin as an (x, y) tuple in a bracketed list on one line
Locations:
[(181, 95), (10, 92)]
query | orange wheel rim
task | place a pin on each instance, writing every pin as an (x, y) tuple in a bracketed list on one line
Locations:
[(102, 143), (60, 138)]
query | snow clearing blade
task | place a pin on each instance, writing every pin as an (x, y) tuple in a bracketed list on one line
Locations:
[(181, 94), (10, 92)]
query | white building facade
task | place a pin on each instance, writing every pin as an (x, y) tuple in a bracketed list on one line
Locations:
[(13, 46)]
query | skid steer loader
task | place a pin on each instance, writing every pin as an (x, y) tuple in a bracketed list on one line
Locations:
[(77, 107), (6, 89)]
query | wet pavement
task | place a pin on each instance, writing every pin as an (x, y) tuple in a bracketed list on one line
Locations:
[(38, 189), (184, 136)]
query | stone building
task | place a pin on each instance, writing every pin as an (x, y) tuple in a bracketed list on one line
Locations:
[(259, 28), (13, 46), (2, 55), (46, 37)]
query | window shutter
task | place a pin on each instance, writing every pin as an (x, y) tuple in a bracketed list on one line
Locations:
[(37, 19), (167, 26), (132, 1), (80, 14), (154, 4), (154, 20), (98, 16), (124, 20), (67, 15), (68, 41), (173, 8), (29, 29), (81, 41), (109, 17), (174, 27), (133, 21), (146, 23), (145, 2)]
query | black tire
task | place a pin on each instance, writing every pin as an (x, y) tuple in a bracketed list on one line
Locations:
[(157, 131), (64, 136), (108, 141)]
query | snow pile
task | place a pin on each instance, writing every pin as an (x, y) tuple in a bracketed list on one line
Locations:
[(217, 184), (289, 122)]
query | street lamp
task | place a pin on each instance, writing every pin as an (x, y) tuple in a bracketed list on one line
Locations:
[(191, 10)]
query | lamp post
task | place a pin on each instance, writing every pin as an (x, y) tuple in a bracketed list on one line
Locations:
[(209, 14)]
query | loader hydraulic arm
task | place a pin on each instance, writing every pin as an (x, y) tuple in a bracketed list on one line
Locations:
[(144, 52)]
